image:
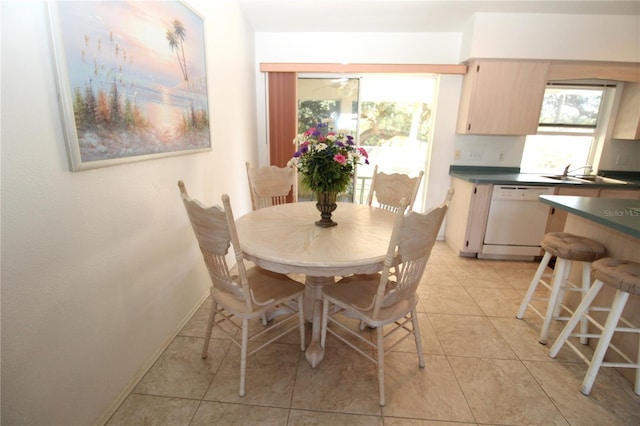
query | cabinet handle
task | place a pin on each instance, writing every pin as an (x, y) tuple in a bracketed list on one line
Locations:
[(469, 126), (553, 210)]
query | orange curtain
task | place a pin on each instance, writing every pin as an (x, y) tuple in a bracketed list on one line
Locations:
[(283, 116)]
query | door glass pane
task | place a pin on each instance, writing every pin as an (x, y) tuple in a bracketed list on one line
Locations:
[(395, 127), (327, 98)]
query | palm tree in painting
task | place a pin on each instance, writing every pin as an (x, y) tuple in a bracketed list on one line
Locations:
[(176, 40)]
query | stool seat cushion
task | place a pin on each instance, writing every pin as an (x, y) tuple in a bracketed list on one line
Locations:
[(572, 247), (620, 274)]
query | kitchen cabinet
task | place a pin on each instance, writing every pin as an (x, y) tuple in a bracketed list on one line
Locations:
[(627, 124), (557, 217), (630, 194), (467, 216), (502, 97)]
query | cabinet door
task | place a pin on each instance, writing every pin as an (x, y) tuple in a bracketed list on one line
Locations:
[(467, 216), (628, 118), (558, 217), (502, 97)]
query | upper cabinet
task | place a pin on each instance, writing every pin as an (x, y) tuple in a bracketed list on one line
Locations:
[(502, 97), (627, 124)]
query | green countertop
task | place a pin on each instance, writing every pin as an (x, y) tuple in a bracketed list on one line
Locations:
[(531, 179), (512, 176), (620, 214)]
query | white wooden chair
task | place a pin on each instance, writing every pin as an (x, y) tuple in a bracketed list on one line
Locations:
[(388, 298), (245, 292), (389, 189), (270, 185)]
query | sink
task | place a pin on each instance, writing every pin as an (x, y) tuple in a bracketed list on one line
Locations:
[(567, 178), (587, 179), (600, 179)]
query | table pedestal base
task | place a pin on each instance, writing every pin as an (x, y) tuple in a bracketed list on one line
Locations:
[(315, 352), (313, 313)]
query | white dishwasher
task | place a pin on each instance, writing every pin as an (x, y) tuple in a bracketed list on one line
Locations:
[(516, 222)]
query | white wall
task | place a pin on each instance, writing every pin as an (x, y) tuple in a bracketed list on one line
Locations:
[(543, 36), (100, 267)]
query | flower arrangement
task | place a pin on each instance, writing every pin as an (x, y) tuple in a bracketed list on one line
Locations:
[(327, 159)]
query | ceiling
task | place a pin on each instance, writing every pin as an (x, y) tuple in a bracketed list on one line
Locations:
[(407, 15)]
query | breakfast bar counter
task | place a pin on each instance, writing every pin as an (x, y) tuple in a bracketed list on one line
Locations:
[(621, 215), (616, 224)]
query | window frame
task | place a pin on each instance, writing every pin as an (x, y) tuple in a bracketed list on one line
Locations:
[(604, 122)]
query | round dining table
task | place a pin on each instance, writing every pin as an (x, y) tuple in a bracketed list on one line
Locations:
[(285, 239)]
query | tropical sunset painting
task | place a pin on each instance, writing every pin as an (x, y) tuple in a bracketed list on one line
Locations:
[(136, 75)]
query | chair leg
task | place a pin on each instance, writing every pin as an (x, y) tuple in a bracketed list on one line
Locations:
[(380, 354), (301, 320), (558, 281), (418, 339), (243, 355), (619, 300), (575, 318), (564, 269), (586, 283), (534, 284), (207, 334), (636, 387)]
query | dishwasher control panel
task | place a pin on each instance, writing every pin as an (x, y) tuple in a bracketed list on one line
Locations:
[(520, 193)]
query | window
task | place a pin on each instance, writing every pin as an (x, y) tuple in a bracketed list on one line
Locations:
[(569, 130)]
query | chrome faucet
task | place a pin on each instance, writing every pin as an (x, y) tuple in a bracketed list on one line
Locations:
[(587, 169)]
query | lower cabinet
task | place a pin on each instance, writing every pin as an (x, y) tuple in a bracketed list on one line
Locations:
[(467, 216), (630, 194), (469, 208)]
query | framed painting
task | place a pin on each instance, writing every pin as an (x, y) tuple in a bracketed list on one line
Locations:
[(131, 80)]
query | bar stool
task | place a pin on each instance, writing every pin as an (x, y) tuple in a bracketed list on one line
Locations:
[(567, 248), (624, 277)]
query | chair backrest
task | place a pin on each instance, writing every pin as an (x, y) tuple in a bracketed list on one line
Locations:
[(215, 232), (413, 237), (389, 189), (270, 185)]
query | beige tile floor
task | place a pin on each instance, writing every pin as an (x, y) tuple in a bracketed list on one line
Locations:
[(483, 367)]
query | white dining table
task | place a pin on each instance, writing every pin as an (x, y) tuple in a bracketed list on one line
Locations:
[(285, 239)]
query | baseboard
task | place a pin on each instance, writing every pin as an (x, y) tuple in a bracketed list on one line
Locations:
[(147, 365)]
